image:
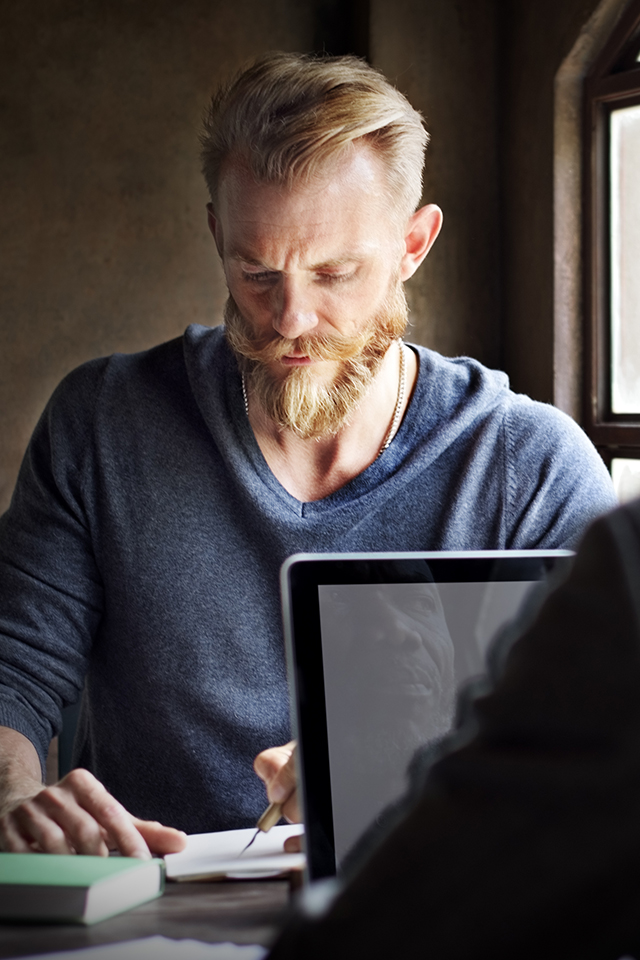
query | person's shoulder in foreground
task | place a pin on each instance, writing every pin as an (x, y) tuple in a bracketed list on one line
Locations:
[(523, 839)]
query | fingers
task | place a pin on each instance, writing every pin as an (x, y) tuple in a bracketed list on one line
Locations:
[(86, 811), (50, 823), (160, 839), (293, 844), (49, 826), (11, 838), (83, 793), (283, 783), (276, 767), (77, 815)]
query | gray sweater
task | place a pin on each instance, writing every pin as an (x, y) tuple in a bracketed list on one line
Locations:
[(141, 550)]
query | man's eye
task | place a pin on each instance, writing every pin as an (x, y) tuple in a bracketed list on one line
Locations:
[(265, 277), (330, 278), (422, 605)]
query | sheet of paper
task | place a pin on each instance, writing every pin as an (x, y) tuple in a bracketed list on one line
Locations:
[(160, 948), (221, 854)]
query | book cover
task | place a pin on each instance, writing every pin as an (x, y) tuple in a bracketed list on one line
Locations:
[(52, 888)]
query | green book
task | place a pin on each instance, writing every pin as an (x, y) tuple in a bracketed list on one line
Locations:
[(49, 888)]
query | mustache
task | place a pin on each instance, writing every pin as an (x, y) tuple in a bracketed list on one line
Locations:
[(262, 350)]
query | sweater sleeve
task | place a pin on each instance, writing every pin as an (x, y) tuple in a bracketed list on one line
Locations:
[(521, 842), (50, 587), (556, 483)]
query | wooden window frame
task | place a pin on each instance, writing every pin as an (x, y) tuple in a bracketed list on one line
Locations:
[(612, 82)]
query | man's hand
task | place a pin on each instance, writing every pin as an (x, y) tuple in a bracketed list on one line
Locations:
[(277, 768), (78, 815)]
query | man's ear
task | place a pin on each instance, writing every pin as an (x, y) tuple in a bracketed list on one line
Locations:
[(422, 229), (215, 227)]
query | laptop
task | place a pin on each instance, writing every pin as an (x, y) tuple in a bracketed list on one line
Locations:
[(378, 645)]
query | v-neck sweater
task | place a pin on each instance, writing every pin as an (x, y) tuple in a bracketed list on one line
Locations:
[(141, 551)]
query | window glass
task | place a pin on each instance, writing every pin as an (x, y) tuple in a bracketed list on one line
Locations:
[(625, 258), (626, 478)]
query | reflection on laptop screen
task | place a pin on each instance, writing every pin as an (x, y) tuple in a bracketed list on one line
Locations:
[(393, 655)]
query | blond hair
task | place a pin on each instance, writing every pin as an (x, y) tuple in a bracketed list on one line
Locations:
[(288, 115)]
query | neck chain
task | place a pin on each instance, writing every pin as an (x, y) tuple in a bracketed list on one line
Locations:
[(397, 412), (244, 395)]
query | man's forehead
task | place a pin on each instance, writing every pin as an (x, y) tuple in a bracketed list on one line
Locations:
[(353, 182), (343, 219), (268, 236), (329, 263)]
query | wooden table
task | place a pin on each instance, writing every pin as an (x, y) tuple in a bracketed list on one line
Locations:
[(244, 911)]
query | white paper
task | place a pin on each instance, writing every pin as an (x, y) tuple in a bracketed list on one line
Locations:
[(221, 854), (160, 948)]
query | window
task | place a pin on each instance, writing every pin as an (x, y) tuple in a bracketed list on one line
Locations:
[(612, 295)]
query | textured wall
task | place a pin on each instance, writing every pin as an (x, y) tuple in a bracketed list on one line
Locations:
[(104, 243), (535, 37), (442, 54)]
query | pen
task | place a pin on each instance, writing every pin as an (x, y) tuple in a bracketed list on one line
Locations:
[(267, 820)]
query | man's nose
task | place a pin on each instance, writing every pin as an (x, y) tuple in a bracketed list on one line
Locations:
[(294, 313), (389, 630), (400, 635)]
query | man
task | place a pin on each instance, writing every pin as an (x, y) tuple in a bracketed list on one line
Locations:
[(523, 840), (162, 491)]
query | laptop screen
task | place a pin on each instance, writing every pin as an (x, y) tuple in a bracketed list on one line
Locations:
[(378, 648)]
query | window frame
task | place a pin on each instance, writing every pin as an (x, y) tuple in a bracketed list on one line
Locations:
[(612, 82)]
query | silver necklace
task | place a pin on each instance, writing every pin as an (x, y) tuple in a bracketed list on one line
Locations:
[(244, 396), (397, 413)]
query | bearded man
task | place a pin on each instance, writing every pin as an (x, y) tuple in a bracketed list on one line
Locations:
[(161, 491)]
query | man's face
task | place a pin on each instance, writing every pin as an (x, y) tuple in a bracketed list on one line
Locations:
[(391, 646), (313, 274)]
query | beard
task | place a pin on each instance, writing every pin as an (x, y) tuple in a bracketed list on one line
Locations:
[(301, 401)]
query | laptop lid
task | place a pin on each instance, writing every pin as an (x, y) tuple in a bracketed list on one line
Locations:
[(377, 647)]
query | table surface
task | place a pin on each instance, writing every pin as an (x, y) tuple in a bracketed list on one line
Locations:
[(242, 911)]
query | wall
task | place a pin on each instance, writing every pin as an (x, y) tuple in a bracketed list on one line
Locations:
[(534, 38), (444, 58)]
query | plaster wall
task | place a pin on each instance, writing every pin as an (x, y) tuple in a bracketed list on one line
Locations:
[(442, 55), (535, 36)]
